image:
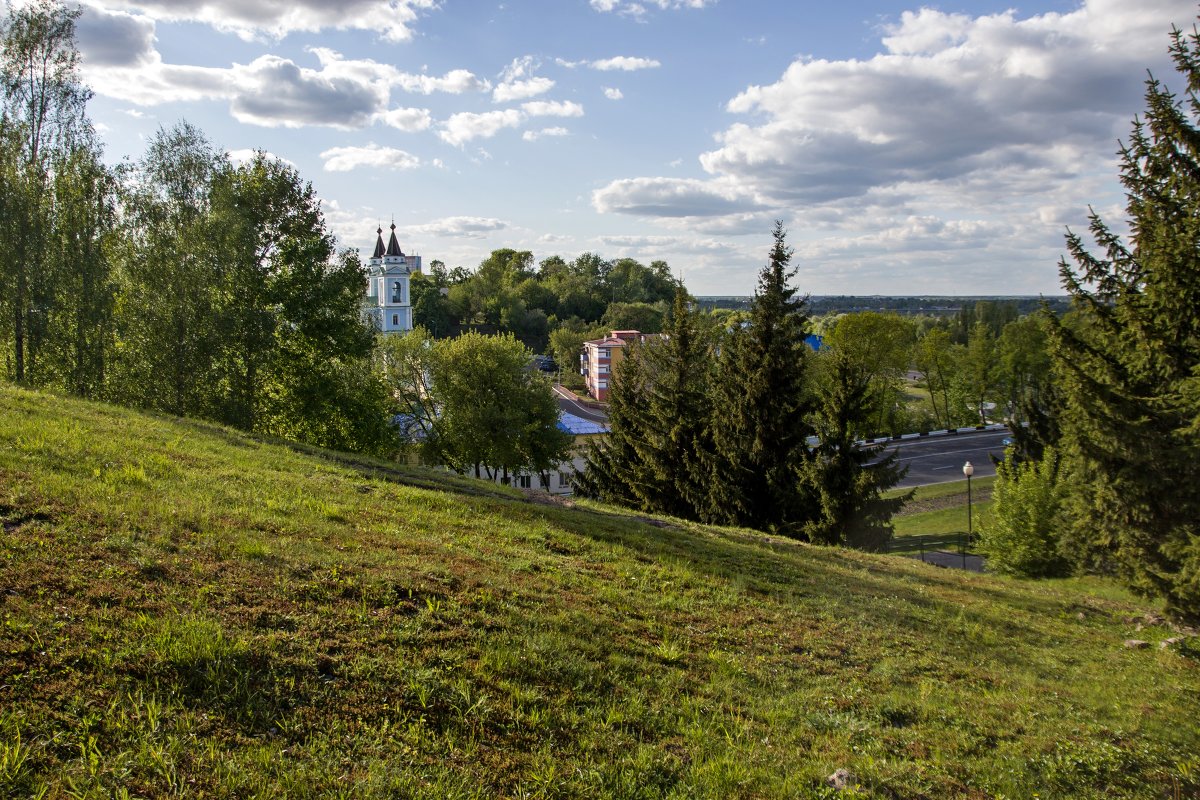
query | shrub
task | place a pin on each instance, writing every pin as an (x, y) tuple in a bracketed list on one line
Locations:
[(1021, 536)]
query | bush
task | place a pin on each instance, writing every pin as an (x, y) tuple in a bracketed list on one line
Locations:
[(1021, 536)]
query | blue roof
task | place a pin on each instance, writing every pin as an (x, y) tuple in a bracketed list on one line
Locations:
[(578, 425)]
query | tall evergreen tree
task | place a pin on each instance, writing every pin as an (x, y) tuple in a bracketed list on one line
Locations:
[(657, 414), (760, 407), (848, 481), (1130, 369)]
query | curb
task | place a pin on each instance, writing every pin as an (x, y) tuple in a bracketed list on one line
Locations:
[(994, 426)]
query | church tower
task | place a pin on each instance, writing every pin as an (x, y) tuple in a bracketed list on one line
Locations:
[(388, 304)]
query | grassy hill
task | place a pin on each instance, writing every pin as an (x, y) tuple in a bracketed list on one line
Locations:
[(192, 612)]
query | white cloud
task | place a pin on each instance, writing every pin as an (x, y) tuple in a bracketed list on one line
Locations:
[(465, 126), (625, 63), (630, 240), (519, 90), (636, 8), (532, 136), (954, 110), (391, 19), (407, 119), (466, 227), (517, 81), (154, 82), (655, 246), (613, 94), (552, 108), (245, 154), (672, 197), (344, 159), (273, 91), (950, 159), (340, 220), (456, 81), (113, 38)]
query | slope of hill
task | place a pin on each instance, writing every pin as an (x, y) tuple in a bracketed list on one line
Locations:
[(192, 612)]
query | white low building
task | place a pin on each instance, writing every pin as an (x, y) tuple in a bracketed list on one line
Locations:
[(562, 479)]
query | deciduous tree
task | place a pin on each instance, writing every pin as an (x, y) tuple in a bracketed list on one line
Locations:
[(170, 276), (879, 347), (474, 403), (934, 357), (42, 120)]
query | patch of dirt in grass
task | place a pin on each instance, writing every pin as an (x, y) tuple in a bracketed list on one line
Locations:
[(922, 506)]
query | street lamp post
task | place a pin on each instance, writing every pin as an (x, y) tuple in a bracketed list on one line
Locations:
[(968, 470)]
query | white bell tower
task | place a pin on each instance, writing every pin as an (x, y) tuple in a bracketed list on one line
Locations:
[(388, 303)]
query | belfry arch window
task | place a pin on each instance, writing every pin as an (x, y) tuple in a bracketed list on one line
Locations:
[(397, 292)]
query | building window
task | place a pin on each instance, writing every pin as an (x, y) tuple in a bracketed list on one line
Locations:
[(524, 481), (564, 480), (397, 292), (603, 369), (602, 384), (395, 319), (604, 352)]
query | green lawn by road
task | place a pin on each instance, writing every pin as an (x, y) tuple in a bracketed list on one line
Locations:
[(942, 507)]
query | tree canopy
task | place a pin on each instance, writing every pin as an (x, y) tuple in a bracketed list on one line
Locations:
[(474, 403)]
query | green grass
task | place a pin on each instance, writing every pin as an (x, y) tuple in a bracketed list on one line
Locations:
[(942, 507), (191, 612), (955, 490)]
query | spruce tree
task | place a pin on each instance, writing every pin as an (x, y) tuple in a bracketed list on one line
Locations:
[(1129, 370), (848, 481), (657, 410), (759, 408)]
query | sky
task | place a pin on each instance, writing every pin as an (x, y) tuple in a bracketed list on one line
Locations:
[(908, 149)]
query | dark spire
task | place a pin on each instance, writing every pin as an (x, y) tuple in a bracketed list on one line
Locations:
[(393, 248), (378, 244)]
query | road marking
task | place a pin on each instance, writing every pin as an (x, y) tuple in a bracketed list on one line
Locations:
[(946, 453)]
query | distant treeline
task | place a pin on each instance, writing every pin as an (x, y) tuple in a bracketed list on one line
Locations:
[(932, 305)]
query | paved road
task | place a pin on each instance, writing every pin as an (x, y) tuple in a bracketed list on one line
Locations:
[(938, 459), (578, 409), (931, 459)]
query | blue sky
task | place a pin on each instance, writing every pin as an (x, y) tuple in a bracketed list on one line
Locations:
[(909, 149)]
